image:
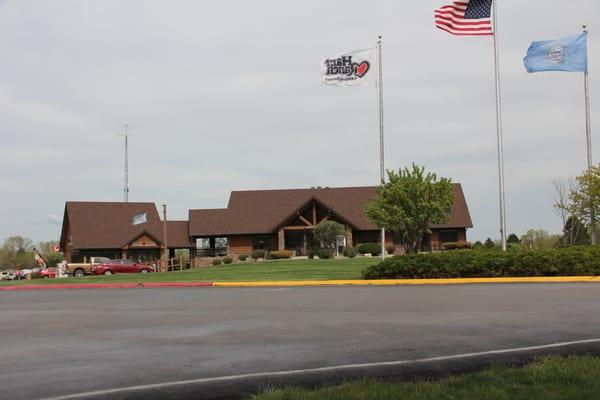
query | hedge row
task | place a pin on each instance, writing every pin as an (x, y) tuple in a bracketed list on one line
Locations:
[(575, 261)]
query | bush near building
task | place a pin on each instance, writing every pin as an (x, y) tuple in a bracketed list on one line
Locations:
[(574, 261), (349, 252), (457, 246), (370, 248), (243, 257), (256, 254), (227, 260), (217, 261), (281, 255), (325, 254)]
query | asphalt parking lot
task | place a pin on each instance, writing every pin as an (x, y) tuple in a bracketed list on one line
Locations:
[(59, 343)]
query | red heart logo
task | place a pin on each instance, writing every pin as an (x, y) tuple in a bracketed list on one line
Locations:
[(361, 69)]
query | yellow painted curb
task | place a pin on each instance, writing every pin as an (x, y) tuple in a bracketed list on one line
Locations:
[(396, 282)]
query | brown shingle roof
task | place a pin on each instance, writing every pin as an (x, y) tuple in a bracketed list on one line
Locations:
[(262, 211), (108, 225), (178, 235)]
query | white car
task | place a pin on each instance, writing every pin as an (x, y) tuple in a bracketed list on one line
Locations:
[(25, 272), (5, 275)]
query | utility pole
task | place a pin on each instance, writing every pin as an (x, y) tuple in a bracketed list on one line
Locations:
[(166, 247)]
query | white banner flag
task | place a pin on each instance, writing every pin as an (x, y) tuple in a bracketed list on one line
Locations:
[(351, 69), (139, 219)]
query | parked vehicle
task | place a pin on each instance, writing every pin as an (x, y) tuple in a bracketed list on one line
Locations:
[(121, 267), (79, 270), (4, 276), (48, 273), (24, 272)]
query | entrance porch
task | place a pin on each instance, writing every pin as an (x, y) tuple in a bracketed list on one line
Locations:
[(297, 234)]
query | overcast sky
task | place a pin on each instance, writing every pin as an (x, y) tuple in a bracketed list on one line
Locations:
[(227, 96)]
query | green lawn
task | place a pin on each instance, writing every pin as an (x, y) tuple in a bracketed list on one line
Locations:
[(575, 378), (282, 270)]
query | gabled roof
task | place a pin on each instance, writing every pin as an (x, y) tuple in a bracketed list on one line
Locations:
[(262, 211), (108, 225)]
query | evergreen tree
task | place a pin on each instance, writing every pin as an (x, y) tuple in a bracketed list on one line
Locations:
[(513, 239)]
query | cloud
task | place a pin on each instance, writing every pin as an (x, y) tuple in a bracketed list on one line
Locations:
[(221, 100)]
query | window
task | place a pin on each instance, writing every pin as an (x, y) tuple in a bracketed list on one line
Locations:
[(203, 243), (221, 243), (260, 242), (449, 236)]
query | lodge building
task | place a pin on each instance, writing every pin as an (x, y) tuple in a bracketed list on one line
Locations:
[(258, 219)]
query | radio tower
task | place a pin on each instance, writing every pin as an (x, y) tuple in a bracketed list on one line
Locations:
[(126, 177)]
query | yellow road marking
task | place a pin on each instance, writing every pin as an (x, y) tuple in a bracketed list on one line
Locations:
[(396, 282)]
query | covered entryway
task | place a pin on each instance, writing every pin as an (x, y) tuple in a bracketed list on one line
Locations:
[(144, 248), (297, 233)]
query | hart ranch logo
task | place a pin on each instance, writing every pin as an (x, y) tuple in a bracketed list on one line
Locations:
[(345, 69)]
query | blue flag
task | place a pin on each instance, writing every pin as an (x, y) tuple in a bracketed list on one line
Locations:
[(567, 54)]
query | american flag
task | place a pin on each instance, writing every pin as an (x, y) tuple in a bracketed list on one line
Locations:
[(466, 18)]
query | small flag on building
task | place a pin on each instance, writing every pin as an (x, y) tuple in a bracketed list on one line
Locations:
[(466, 18), (39, 259), (568, 54), (350, 69), (139, 219)]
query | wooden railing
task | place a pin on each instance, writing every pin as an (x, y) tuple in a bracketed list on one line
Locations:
[(176, 264)]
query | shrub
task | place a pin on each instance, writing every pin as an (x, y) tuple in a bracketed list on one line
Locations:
[(227, 260), (457, 246), (216, 261), (370, 248), (390, 248), (575, 261), (243, 257), (349, 252), (256, 254), (281, 254), (312, 254), (325, 254)]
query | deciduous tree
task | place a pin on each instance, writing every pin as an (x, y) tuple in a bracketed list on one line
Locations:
[(327, 232), (586, 199), (18, 252), (539, 239), (409, 202)]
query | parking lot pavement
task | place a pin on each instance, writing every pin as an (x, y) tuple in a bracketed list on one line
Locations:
[(64, 342)]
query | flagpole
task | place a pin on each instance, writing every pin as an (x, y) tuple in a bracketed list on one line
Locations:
[(588, 119), (588, 131), (499, 130), (381, 143)]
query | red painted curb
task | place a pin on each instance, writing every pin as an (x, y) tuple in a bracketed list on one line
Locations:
[(107, 286)]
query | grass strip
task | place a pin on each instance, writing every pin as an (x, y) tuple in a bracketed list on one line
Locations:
[(280, 270), (576, 378)]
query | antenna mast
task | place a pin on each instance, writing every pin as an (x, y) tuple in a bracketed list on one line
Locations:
[(126, 182)]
